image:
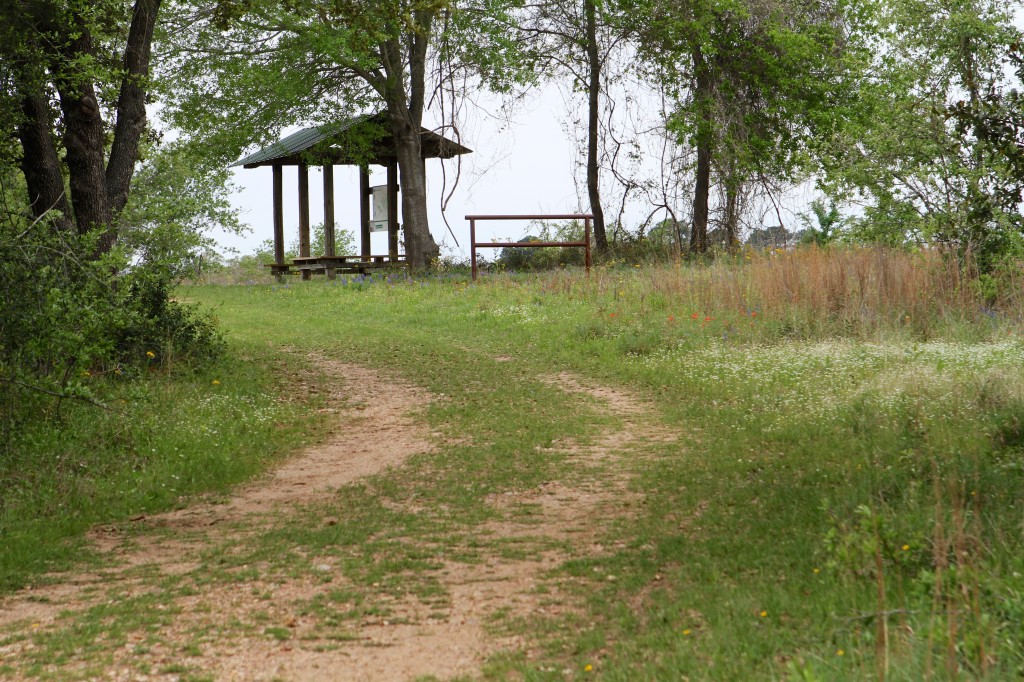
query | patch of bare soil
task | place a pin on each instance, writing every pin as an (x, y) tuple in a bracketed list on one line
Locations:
[(413, 639), (376, 430), (578, 509)]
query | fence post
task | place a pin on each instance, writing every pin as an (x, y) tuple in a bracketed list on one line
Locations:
[(586, 236), (473, 243), (472, 246)]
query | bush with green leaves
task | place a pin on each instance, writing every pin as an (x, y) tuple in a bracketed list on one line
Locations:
[(66, 315), (518, 258)]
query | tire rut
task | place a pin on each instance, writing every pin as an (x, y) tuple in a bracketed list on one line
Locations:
[(415, 639)]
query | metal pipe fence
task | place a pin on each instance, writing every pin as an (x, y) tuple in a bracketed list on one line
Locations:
[(474, 244)]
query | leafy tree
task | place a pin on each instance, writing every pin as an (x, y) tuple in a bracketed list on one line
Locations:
[(92, 235), (754, 83), (580, 39), (826, 226), (929, 153), (344, 240), (665, 235), (995, 116), (773, 237), (72, 70), (177, 196), (542, 258), (251, 68)]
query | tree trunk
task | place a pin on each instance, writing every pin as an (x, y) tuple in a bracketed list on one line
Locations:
[(699, 230), (83, 140), (99, 190), (406, 121), (39, 162), (594, 92), (131, 104), (420, 247), (702, 186), (732, 217)]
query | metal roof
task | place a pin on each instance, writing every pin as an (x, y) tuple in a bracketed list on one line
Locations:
[(289, 150)]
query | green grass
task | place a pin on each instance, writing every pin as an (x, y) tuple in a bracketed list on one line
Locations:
[(841, 474), (163, 439), (804, 466)]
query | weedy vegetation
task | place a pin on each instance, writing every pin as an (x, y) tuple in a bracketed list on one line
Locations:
[(115, 399), (841, 500)]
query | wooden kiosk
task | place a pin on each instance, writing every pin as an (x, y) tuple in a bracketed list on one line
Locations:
[(361, 141)]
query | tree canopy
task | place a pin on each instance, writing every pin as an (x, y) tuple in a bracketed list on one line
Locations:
[(74, 70), (249, 69), (905, 113), (929, 152)]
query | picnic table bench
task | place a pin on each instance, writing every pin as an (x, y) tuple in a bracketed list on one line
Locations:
[(342, 264)]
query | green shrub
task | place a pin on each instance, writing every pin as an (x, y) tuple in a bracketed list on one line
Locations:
[(544, 258), (65, 316)]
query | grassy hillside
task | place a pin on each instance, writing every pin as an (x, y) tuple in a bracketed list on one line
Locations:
[(143, 446), (833, 492), (843, 497)]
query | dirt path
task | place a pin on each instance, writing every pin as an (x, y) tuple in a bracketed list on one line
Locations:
[(415, 640)]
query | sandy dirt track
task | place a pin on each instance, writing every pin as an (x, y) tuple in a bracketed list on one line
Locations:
[(381, 430)]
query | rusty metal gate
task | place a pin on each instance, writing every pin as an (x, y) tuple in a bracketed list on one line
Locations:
[(474, 244)]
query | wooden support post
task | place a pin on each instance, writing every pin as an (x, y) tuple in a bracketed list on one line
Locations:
[(304, 216), (472, 246), (329, 246), (393, 210), (586, 237), (364, 213), (279, 220)]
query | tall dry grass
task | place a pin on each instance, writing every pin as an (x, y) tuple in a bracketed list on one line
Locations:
[(857, 291)]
